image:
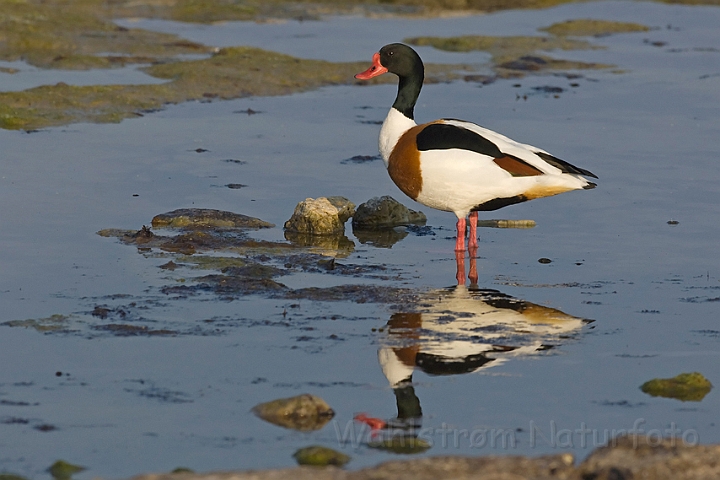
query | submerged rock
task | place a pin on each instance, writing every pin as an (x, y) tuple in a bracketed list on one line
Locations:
[(400, 444), (61, 470), (686, 387), (205, 217), (640, 456), (319, 456), (304, 412), (331, 245), (385, 212), (321, 216)]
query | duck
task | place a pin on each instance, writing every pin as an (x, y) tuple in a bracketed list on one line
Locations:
[(457, 166)]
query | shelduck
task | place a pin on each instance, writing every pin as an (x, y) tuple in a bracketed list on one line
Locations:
[(457, 166)]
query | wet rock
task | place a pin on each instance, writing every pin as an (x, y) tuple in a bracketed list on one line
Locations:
[(647, 457), (385, 212), (304, 412), (64, 470), (320, 456), (321, 216), (686, 387), (205, 217), (11, 476), (625, 458)]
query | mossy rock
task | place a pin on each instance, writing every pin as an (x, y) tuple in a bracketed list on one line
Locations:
[(62, 470), (11, 476), (686, 387), (206, 217), (385, 212), (303, 412), (319, 456)]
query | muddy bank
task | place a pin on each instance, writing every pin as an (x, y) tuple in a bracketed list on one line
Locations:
[(630, 457), (82, 36)]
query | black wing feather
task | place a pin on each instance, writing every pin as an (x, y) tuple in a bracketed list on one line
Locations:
[(440, 136)]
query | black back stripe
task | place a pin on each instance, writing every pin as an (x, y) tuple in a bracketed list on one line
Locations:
[(440, 136), (497, 203), (564, 166)]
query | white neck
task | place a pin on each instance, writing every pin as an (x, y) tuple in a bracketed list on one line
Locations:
[(393, 127)]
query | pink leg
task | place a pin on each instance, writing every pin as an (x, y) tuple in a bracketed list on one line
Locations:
[(460, 272), (460, 241), (472, 239), (473, 275)]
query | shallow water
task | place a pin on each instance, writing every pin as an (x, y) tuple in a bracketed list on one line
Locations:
[(122, 405)]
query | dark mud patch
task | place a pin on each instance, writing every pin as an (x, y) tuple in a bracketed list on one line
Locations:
[(149, 390), (210, 256)]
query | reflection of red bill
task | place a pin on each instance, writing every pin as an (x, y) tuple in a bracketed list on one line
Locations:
[(375, 69), (372, 422)]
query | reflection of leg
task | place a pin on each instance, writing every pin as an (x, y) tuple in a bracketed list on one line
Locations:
[(408, 404), (472, 239), (409, 417), (460, 263), (473, 275), (460, 241)]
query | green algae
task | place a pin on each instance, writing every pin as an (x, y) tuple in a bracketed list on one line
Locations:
[(54, 323), (229, 73), (686, 387), (80, 35), (587, 27), (304, 412), (11, 476), (319, 456), (515, 53), (62, 470), (205, 217)]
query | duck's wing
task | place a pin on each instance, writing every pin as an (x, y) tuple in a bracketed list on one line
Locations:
[(516, 158)]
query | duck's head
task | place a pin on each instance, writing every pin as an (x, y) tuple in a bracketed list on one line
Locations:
[(395, 58)]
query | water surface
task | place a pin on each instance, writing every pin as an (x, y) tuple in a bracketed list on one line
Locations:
[(126, 405)]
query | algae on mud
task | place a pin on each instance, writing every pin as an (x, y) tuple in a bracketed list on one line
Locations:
[(521, 53), (81, 35), (229, 73)]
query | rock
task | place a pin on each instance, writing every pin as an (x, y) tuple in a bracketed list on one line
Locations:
[(346, 208), (304, 412), (321, 216), (64, 470), (687, 387), (625, 458), (205, 217), (319, 456), (385, 212), (641, 456)]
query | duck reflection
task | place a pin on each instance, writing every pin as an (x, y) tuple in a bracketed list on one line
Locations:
[(454, 331)]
